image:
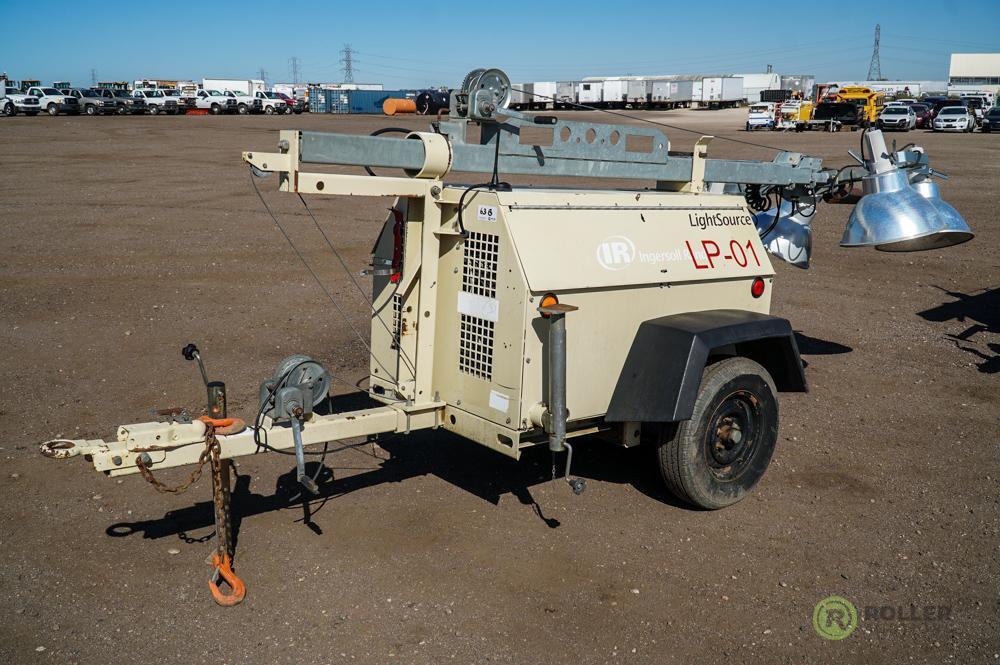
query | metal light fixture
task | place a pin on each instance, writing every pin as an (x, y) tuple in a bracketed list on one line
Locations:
[(893, 216), (790, 238)]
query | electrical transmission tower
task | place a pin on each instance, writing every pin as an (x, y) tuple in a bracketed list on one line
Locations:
[(347, 59), (875, 67), (294, 64)]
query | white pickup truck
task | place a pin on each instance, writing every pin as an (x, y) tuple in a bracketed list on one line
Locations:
[(13, 101), (213, 101), (270, 102), (244, 103), (157, 102), (54, 102)]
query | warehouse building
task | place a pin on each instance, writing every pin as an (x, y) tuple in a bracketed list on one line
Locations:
[(972, 72)]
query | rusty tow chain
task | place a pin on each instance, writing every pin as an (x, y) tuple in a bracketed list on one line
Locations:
[(211, 443)]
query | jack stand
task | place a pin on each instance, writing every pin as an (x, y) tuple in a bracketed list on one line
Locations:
[(556, 314)]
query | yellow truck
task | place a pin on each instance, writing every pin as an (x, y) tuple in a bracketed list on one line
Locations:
[(793, 114), (868, 101)]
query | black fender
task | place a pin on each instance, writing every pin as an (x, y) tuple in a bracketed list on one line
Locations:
[(659, 381)]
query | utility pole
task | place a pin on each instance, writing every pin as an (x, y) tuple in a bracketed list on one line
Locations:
[(347, 58), (294, 63), (875, 67)]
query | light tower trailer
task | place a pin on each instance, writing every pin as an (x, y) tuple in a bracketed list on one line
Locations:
[(523, 316)]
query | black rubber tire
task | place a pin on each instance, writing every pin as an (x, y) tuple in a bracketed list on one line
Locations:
[(9, 109), (215, 110), (268, 110), (154, 109), (122, 109), (242, 109), (90, 109), (52, 110), (691, 470)]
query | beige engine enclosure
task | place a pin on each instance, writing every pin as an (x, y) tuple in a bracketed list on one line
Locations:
[(621, 257)]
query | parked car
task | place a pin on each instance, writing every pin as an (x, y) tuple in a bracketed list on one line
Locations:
[(54, 102), (14, 101), (213, 101), (296, 106), (244, 103), (954, 119), (270, 102), (923, 113), (977, 105), (899, 117), (156, 101), (939, 103), (91, 102), (124, 102), (175, 94), (991, 120)]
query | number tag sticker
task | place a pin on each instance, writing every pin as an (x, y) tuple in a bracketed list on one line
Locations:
[(486, 213)]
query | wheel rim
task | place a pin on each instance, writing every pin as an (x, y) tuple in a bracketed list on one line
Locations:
[(732, 437)]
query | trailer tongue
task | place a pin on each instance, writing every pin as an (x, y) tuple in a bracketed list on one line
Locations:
[(524, 316)]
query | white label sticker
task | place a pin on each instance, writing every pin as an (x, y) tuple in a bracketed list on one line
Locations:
[(473, 304), (499, 401), (486, 213)]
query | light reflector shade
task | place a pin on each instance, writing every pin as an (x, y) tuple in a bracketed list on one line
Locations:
[(954, 229), (790, 239), (893, 217)]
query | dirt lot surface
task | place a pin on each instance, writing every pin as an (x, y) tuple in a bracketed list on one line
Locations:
[(125, 238)]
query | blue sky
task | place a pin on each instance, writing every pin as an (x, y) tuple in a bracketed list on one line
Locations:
[(422, 43)]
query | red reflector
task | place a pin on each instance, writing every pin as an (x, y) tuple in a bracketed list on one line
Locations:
[(757, 288)]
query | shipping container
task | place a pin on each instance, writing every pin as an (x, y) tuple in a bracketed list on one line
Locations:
[(322, 100), (590, 92)]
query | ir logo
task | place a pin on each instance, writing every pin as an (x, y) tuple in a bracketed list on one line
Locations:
[(615, 253)]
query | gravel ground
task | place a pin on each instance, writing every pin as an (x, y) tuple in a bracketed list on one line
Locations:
[(125, 238)]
